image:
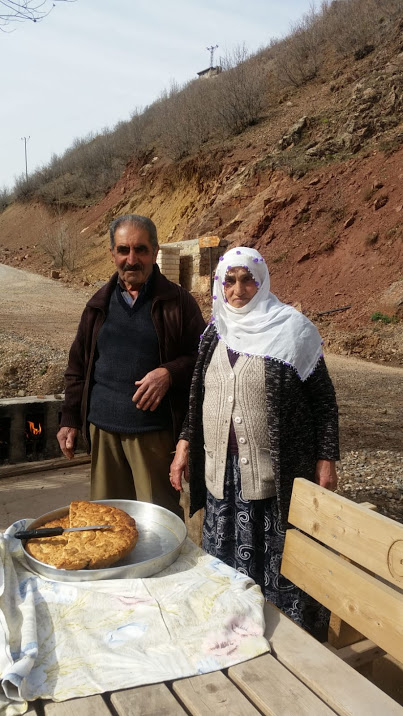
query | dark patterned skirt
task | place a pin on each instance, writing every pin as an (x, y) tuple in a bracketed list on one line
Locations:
[(247, 535)]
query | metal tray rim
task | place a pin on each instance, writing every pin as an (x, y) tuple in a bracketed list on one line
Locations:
[(113, 571)]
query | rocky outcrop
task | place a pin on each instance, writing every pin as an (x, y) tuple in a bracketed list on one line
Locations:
[(391, 301)]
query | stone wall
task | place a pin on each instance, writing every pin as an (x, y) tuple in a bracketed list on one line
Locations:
[(194, 263)]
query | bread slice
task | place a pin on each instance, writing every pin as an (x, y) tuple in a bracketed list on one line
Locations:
[(92, 549)]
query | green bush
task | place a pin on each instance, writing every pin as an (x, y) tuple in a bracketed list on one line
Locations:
[(383, 318)]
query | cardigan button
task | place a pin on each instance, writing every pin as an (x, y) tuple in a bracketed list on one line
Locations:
[(231, 376), (244, 460), (238, 419), (230, 398), (242, 441)]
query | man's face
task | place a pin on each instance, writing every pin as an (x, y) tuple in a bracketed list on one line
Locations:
[(133, 255)]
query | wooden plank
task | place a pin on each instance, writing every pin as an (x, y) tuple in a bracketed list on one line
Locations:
[(366, 537), (146, 701), (358, 654), (212, 693), (26, 468), (87, 706), (275, 690), (341, 634), (207, 242), (343, 689), (363, 601)]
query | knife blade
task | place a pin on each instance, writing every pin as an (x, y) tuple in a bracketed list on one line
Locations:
[(55, 531)]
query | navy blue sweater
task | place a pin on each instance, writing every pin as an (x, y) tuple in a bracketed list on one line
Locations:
[(127, 349)]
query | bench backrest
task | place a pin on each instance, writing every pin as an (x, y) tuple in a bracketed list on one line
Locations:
[(350, 559)]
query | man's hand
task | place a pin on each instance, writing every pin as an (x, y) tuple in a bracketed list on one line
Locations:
[(152, 389), (325, 474), (180, 465), (66, 438)]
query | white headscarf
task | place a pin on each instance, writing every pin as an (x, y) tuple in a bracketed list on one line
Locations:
[(265, 326)]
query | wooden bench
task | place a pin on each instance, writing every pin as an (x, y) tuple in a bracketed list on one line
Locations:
[(350, 559)]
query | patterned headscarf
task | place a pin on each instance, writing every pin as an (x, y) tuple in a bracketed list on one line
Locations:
[(264, 326)]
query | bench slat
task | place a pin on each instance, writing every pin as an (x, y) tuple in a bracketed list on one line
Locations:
[(362, 535), (256, 679), (146, 701), (212, 693), (343, 689), (87, 706), (363, 652), (370, 606)]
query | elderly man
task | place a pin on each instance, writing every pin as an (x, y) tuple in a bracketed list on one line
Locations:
[(129, 371)]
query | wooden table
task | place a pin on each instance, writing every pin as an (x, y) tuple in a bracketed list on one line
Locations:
[(301, 677)]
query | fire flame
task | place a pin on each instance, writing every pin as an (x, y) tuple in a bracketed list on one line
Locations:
[(33, 429)]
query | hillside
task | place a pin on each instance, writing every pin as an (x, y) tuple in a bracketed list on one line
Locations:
[(315, 185)]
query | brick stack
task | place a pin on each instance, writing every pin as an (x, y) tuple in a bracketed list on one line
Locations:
[(168, 261)]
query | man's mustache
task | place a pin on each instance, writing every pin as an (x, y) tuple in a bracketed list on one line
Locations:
[(134, 267)]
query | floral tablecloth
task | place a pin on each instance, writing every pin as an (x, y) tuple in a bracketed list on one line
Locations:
[(62, 640)]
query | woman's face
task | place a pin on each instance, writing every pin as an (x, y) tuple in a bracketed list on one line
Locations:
[(239, 287)]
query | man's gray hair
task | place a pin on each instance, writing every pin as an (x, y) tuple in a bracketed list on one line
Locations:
[(142, 222)]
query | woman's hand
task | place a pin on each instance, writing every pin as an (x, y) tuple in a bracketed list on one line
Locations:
[(325, 474), (180, 465)]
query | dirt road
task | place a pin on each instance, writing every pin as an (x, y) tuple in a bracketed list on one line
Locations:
[(38, 321), (39, 307)]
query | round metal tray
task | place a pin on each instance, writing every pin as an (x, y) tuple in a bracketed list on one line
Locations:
[(161, 536)]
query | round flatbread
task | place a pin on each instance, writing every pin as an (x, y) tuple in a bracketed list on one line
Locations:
[(92, 549)]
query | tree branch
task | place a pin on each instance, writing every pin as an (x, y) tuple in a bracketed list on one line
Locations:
[(12, 11)]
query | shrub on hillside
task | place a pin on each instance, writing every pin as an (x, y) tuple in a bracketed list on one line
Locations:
[(383, 318), (240, 91), (183, 119), (299, 56), (352, 25), (6, 198), (186, 117)]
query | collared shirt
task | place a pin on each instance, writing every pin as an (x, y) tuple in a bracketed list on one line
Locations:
[(144, 292)]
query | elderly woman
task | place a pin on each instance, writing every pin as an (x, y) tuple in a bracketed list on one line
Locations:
[(262, 411)]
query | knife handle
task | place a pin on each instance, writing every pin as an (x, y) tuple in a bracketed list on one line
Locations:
[(41, 532)]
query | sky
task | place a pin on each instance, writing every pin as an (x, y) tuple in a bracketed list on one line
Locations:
[(92, 63)]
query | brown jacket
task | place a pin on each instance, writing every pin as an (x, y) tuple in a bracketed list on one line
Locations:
[(178, 323)]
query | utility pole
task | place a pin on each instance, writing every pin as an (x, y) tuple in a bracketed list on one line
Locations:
[(25, 140), (211, 51)]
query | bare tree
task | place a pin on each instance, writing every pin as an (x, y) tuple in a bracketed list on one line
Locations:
[(20, 10), (61, 242)]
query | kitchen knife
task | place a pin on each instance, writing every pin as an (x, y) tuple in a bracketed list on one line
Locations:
[(54, 531)]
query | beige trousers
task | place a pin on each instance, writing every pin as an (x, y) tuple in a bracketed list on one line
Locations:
[(133, 467)]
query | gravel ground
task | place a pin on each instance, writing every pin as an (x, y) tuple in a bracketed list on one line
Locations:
[(374, 476)]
